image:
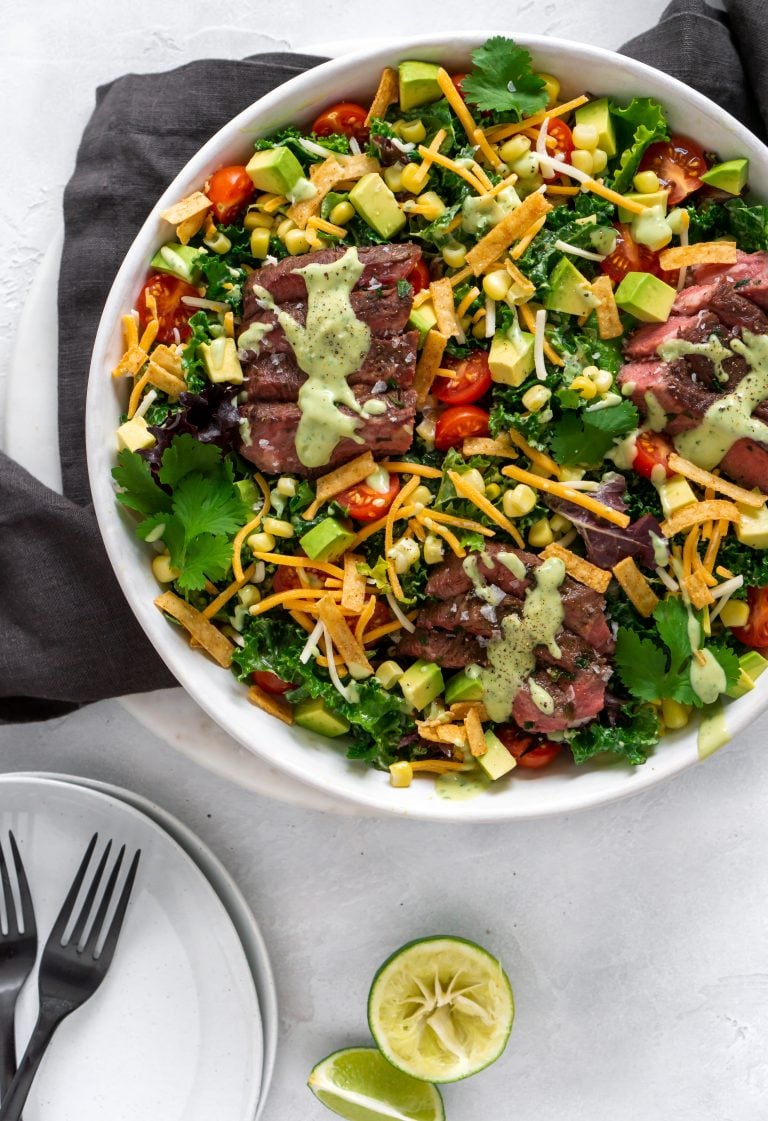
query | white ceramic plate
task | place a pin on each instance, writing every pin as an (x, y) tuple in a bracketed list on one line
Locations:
[(228, 892), (174, 1032), (307, 757)]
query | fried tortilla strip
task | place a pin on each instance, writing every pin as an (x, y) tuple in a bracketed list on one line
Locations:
[(324, 177), (275, 706), (698, 592), (428, 365), (509, 229), (442, 301), (204, 633), (483, 445), (698, 512), (638, 590), (353, 587), (703, 253), (385, 95), (352, 653), (608, 321), (707, 479), (475, 735), (582, 570), (188, 215), (342, 478)]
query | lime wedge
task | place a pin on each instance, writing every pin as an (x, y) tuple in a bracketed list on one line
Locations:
[(441, 1009), (359, 1084)]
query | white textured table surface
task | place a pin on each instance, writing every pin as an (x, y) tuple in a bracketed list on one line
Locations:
[(635, 935)]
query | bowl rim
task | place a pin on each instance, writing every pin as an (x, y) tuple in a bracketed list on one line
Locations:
[(660, 765)]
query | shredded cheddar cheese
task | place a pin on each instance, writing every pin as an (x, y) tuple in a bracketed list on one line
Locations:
[(562, 490)]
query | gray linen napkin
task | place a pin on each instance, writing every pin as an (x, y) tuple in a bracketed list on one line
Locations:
[(67, 636)]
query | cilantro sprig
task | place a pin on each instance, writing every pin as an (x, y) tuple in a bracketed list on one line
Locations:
[(582, 438), (503, 80), (652, 671), (196, 511)]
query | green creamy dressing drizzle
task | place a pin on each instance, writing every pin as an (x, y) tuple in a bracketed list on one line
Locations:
[(457, 786), (331, 346), (251, 338), (511, 658), (708, 678), (729, 418), (713, 730), (713, 349)]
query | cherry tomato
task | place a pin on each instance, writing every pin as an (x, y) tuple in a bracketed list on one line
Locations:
[(564, 137), (286, 578), (629, 256), (651, 451), (457, 79), (755, 633), (366, 504), (271, 683), (345, 117), (171, 312), (532, 752), (471, 380), (679, 163), (229, 189), (382, 615), (455, 424), (419, 277)]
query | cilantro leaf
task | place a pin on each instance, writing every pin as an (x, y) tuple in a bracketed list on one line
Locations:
[(671, 620), (729, 661), (140, 492), (642, 666), (638, 125), (184, 455), (207, 504), (503, 80), (206, 556), (584, 438)]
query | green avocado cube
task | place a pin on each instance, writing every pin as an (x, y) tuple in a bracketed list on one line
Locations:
[(178, 260), (496, 760), (598, 115), (753, 527), (376, 205), (651, 198), (327, 540), (646, 297), (511, 360), (730, 176), (220, 360), (248, 492), (418, 84), (275, 170), (421, 684), (751, 665), (315, 715), (569, 290), (422, 319), (462, 687)]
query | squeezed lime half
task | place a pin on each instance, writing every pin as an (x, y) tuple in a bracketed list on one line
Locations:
[(358, 1083), (441, 1009)]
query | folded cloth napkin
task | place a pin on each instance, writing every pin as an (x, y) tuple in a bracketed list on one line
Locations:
[(68, 636)]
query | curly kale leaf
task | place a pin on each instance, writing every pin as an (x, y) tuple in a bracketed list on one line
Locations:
[(629, 738)]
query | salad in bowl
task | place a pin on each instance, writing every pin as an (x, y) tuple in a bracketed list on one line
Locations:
[(446, 423)]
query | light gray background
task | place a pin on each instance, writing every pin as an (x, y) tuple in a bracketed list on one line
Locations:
[(634, 935)]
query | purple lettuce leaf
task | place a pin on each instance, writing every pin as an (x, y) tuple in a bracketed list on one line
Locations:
[(211, 416), (607, 544)]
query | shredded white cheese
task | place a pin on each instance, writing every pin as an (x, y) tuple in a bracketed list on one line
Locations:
[(545, 165), (310, 646), (397, 612), (566, 247), (667, 580), (145, 404), (490, 317), (538, 344), (316, 149), (199, 301), (332, 671), (723, 593)]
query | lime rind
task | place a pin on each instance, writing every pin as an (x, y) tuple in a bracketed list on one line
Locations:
[(358, 1083), (441, 1009)]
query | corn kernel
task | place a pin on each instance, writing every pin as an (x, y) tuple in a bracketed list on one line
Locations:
[(540, 534), (585, 137), (432, 206), (475, 479), (412, 132), (572, 474), (342, 213), (496, 284), (599, 161), (603, 381), (454, 254), (278, 528), (512, 149), (433, 549), (582, 160), (590, 372), (478, 329), (393, 177), (518, 501), (646, 182), (526, 166), (260, 242), (249, 595), (551, 88), (388, 674), (286, 225), (296, 242), (674, 714), (413, 179), (735, 613), (423, 495), (164, 571), (261, 542), (536, 398), (257, 220), (400, 774), (219, 243), (559, 524), (404, 553), (492, 491), (286, 486), (584, 386)]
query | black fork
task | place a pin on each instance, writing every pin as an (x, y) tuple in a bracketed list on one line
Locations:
[(70, 973), (18, 947)]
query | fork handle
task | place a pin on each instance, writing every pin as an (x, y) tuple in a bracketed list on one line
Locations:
[(49, 1018), (7, 1048)]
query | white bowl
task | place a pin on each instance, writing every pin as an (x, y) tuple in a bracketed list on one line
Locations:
[(311, 758)]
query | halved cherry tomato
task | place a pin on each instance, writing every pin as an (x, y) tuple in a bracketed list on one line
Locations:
[(471, 380), (345, 117), (457, 79), (532, 752), (172, 314), (652, 450), (419, 277), (271, 683), (455, 424), (755, 633), (286, 578), (564, 137), (366, 504), (629, 256), (679, 163), (229, 189)]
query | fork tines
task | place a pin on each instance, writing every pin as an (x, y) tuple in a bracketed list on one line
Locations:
[(23, 920)]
